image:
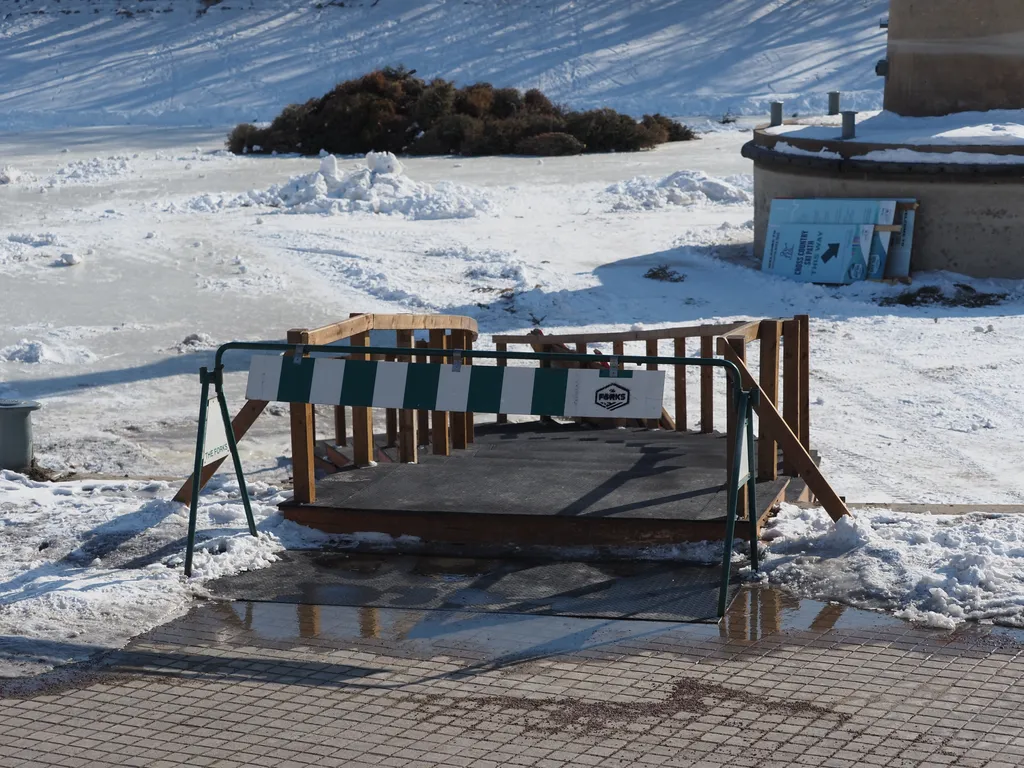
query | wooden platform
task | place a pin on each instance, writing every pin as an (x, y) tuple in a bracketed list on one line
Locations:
[(523, 487)]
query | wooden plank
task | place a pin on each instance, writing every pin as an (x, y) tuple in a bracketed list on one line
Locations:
[(440, 436), (240, 424), (739, 346), (691, 331), (406, 417), (804, 322), (651, 349), (501, 347), (791, 397), (362, 418), (336, 457), (707, 386), (422, 417), (360, 323), (679, 350), (767, 448), (324, 465), (458, 419), (777, 426), (470, 418)]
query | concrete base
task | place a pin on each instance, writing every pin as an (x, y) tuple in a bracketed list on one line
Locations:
[(955, 56), (974, 226)]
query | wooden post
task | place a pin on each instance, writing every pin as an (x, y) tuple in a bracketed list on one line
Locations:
[(707, 386), (406, 417), (470, 419), (679, 350), (767, 448), (458, 341), (652, 351), (739, 347), (791, 396), (340, 428), (362, 418), (619, 349), (422, 416), (502, 347), (303, 464), (439, 419), (804, 322)]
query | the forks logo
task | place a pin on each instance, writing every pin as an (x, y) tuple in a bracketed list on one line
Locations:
[(612, 397)]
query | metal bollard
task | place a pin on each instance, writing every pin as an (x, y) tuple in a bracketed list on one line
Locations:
[(776, 113), (833, 102), (849, 124), (16, 434)]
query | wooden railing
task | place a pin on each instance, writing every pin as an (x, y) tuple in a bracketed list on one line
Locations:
[(783, 370)]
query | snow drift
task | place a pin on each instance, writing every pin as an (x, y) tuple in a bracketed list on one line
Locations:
[(679, 188)]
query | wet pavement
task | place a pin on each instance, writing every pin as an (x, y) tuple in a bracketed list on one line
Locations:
[(780, 682)]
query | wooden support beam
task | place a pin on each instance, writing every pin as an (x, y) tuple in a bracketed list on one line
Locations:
[(340, 428), (423, 416), (458, 420), (741, 328), (679, 350), (791, 396), (791, 446), (707, 386), (767, 448), (244, 419), (738, 345), (467, 338), (502, 347), (804, 323), (362, 418), (406, 417), (440, 436), (652, 351)]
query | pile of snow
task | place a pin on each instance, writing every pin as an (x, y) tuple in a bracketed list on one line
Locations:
[(381, 187), (82, 564), (94, 171), (9, 175), (938, 570), (34, 241), (195, 342), (32, 352), (679, 188)]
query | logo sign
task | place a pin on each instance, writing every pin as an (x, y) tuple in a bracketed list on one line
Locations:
[(612, 397), (215, 443)]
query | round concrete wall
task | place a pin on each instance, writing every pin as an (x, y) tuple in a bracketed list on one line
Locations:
[(970, 225), (955, 56)]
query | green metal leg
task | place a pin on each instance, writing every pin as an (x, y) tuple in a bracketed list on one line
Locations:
[(752, 490), (233, 447), (197, 471), (742, 408)]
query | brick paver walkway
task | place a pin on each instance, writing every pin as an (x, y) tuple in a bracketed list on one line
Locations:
[(780, 683)]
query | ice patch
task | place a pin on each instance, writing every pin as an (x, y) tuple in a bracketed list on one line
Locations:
[(683, 188), (381, 187), (937, 570), (34, 352)]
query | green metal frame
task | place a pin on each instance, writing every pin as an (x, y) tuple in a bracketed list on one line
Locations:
[(744, 402)]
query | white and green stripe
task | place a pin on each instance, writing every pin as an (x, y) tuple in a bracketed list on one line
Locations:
[(439, 387)]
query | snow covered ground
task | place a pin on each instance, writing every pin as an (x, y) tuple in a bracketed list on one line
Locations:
[(113, 62), (126, 256)]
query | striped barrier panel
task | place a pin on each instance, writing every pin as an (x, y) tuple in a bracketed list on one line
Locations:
[(447, 387)]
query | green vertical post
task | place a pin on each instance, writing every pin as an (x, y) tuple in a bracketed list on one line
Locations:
[(752, 481), (742, 405), (233, 447), (197, 471)]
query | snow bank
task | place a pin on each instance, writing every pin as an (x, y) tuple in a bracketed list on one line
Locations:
[(83, 565), (679, 188), (34, 352), (937, 570), (381, 187), (93, 171), (9, 175)]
